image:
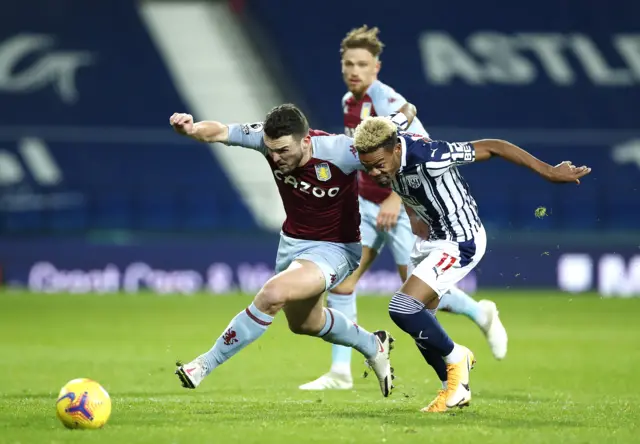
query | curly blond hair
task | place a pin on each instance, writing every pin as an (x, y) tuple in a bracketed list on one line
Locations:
[(364, 38), (374, 133)]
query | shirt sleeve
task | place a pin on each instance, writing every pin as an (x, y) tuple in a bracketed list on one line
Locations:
[(438, 156), (247, 135)]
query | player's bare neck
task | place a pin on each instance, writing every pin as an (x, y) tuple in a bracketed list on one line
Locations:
[(360, 94), (307, 154)]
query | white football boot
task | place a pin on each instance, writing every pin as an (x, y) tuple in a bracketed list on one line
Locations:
[(191, 374), (493, 329), (381, 364), (330, 381)]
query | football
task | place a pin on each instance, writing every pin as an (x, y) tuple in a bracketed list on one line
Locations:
[(83, 404)]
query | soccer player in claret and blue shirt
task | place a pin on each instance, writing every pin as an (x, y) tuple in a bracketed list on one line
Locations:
[(319, 244)]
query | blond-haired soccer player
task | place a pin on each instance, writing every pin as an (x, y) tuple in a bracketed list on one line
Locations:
[(425, 174)]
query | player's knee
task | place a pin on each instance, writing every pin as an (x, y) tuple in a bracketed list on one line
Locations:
[(401, 307), (272, 296), (393, 313)]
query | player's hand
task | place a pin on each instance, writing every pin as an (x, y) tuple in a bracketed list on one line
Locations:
[(182, 123), (389, 212), (566, 172)]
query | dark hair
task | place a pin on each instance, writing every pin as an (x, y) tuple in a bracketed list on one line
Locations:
[(286, 120)]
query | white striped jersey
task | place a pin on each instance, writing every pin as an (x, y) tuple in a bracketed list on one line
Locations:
[(430, 183)]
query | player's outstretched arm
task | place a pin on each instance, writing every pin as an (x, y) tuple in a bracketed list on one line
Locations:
[(205, 131), (564, 172)]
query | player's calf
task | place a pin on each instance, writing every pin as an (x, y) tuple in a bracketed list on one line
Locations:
[(341, 356), (411, 316), (308, 327), (375, 347), (434, 359)]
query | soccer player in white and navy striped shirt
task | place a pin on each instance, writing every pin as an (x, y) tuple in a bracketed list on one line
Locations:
[(425, 175)]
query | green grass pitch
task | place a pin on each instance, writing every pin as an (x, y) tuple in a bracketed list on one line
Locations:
[(569, 376)]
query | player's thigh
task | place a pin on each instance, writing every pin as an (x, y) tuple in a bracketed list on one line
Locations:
[(335, 261), (370, 235), (288, 249), (440, 265)]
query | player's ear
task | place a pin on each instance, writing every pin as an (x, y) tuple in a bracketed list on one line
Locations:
[(378, 66)]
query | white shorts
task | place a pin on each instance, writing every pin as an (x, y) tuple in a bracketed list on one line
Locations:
[(441, 264), (400, 239), (337, 261)]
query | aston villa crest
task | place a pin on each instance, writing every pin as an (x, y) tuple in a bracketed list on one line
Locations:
[(323, 172), (366, 110)]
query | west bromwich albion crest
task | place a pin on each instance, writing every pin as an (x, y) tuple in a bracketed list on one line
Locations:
[(323, 172), (413, 181)]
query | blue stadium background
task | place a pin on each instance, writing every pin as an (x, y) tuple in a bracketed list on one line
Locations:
[(92, 177)]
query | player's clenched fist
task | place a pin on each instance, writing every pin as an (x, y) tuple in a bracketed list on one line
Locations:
[(182, 123)]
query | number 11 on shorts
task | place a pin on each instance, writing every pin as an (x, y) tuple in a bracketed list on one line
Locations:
[(445, 262)]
